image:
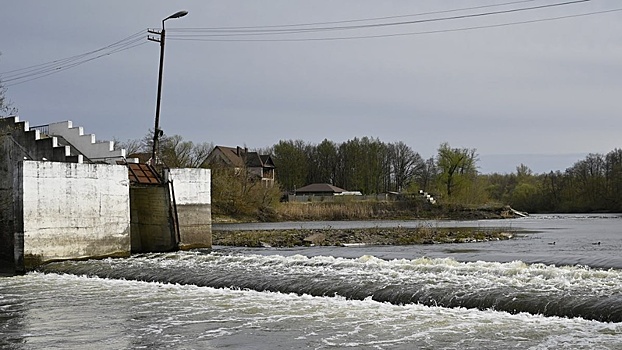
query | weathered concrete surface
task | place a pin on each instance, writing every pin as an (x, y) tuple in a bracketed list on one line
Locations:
[(18, 143), (192, 194), (152, 225), (71, 211), (6, 207)]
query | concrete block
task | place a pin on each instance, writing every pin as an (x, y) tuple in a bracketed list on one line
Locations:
[(72, 211), (192, 200)]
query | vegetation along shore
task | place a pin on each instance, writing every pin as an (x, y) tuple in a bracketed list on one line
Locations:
[(423, 234)]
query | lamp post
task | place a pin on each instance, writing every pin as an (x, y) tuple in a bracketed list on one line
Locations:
[(157, 132)]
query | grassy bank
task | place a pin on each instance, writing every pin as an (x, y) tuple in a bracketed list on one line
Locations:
[(370, 210), (365, 236)]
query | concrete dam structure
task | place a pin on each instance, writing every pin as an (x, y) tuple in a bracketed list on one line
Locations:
[(63, 195)]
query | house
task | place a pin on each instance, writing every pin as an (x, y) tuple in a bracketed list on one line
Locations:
[(319, 190), (324, 190), (259, 166)]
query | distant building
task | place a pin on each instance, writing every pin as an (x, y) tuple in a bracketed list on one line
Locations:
[(319, 190), (259, 166), (322, 192)]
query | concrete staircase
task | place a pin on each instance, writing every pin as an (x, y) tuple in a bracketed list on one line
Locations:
[(31, 144), (427, 197), (59, 142), (96, 151)]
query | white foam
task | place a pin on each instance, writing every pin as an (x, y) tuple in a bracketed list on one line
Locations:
[(167, 315)]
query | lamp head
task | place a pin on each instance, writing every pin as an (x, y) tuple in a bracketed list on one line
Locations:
[(177, 15)]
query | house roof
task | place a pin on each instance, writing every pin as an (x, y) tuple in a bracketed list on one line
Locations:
[(239, 157), (266, 159), (320, 188)]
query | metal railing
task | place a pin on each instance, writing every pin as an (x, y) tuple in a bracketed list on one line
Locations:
[(44, 129)]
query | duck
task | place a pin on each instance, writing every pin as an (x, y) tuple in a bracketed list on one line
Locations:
[(551, 243)]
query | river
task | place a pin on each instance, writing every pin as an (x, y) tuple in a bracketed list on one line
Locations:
[(556, 285)]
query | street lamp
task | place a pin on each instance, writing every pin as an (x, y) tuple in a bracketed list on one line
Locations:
[(157, 132)]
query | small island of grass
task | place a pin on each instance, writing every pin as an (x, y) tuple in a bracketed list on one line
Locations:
[(358, 236)]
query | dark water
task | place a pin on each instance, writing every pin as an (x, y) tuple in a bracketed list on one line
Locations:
[(524, 294), (576, 239)]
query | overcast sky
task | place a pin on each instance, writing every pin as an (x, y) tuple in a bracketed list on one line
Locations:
[(543, 93)]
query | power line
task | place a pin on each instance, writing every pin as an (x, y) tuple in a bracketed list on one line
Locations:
[(22, 75), (80, 55), (34, 76), (507, 24), (288, 30), (356, 20)]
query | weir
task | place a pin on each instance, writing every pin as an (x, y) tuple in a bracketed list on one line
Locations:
[(570, 292), (59, 202)]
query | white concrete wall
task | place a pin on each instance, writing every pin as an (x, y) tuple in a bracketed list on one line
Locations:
[(192, 185), (193, 199), (73, 210)]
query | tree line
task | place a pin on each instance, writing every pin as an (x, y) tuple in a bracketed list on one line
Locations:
[(368, 165), (593, 184), (371, 166)]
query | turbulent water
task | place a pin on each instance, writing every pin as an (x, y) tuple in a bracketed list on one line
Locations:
[(463, 296)]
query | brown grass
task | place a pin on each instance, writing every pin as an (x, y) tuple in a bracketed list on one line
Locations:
[(346, 210)]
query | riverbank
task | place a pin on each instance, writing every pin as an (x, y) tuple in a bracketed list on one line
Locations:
[(368, 211), (359, 236), (372, 210)]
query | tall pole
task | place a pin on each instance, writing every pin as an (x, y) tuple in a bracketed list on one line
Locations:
[(157, 132)]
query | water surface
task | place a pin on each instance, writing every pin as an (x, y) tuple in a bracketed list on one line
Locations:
[(518, 294)]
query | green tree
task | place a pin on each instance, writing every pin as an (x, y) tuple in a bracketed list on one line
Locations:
[(323, 160), (525, 197), (613, 178), (457, 168), (239, 193), (290, 159), (588, 192)]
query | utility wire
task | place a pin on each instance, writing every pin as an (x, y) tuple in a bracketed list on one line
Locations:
[(59, 64), (288, 30), (19, 76), (22, 75), (139, 33), (354, 20), (39, 75), (507, 24)]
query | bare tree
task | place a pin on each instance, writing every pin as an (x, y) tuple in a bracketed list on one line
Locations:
[(177, 153), (6, 106), (130, 146), (405, 164)]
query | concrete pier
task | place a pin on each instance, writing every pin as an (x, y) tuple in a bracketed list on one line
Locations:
[(57, 203)]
